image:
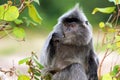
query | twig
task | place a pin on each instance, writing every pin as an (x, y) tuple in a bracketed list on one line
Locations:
[(117, 75), (117, 17), (109, 17), (5, 35), (100, 65), (98, 40), (104, 38), (22, 7)]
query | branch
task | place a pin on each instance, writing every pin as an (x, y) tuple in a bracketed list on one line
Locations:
[(23, 6), (100, 65)]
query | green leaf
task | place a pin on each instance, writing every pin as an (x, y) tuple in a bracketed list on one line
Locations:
[(109, 25), (37, 62), (34, 14), (117, 38), (36, 78), (111, 30), (37, 1), (115, 70), (115, 1), (29, 22), (101, 24), (24, 60), (9, 13), (109, 46), (118, 44), (19, 32), (1, 11), (23, 77), (118, 51), (104, 10), (18, 21), (107, 77), (37, 73)]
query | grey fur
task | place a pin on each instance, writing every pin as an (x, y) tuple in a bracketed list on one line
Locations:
[(69, 52)]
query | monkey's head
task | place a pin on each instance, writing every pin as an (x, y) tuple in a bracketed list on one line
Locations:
[(74, 28)]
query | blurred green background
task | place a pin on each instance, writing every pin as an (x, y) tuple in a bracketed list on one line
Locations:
[(50, 10)]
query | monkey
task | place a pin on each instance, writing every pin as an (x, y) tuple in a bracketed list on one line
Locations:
[(68, 53)]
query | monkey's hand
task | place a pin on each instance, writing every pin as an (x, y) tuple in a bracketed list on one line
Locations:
[(47, 73), (57, 37)]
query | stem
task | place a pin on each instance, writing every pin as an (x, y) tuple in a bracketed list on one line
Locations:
[(117, 16), (109, 17), (98, 39), (22, 7), (100, 65), (104, 38)]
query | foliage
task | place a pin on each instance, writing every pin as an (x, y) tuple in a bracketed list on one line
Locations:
[(111, 39), (104, 10), (34, 69), (33, 72), (9, 18)]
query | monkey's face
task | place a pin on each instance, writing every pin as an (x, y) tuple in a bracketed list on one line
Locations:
[(76, 32)]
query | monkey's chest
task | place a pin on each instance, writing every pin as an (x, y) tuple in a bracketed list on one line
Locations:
[(67, 55)]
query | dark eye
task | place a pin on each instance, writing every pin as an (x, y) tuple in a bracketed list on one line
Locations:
[(86, 22)]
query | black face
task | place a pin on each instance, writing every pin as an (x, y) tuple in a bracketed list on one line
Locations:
[(70, 25), (75, 31)]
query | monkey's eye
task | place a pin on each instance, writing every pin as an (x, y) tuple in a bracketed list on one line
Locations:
[(86, 22)]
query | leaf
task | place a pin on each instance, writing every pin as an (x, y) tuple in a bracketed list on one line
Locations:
[(37, 1), (118, 51), (118, 44), (117, 38), (24, 60), (18, 21), (101, 24), (115, 70), (19, 32), (8, 13), (107, 77), (104, 10), (115, 1), (36, 78), (38, 64), (111, 30), (29, 22), (37, 73), (23, 77), (1, 11), (109, 25), (109, 46), (34, 14)]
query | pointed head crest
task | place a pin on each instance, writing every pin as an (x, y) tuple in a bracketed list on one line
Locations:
[(76, 8), (76, 12)]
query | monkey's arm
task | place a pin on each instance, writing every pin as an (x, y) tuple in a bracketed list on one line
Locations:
[(50, 48), (92, 66), (47, 51)]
